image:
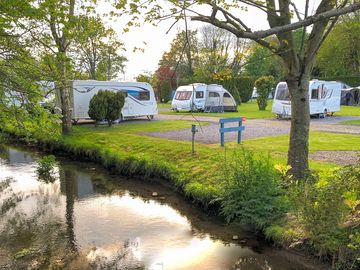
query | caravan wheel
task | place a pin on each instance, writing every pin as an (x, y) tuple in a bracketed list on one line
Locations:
[(324, 114)]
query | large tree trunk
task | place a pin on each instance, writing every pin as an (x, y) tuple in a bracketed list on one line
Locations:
[(64, 97), (300, 123)]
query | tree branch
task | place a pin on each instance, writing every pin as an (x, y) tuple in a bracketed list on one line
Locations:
[(257, 35)]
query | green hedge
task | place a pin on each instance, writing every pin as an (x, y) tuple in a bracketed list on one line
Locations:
[(350, 80), (240, 87)]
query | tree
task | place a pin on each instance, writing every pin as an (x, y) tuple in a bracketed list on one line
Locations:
[(340, 53), (54, 27), (262, 62), (182, 56), (145, 77), (19, 71), (96, 49), (264, 86), (298, 64), (164, 74)]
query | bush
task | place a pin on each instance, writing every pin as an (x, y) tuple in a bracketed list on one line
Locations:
[(97, 108), (264, 86), (165, 91), (106, 105), (327, 207), (252, 194)]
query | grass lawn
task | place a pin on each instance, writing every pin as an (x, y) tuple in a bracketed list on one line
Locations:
[(349, 111), (249, 110), (199, 175), (350, 122), (164, 105)]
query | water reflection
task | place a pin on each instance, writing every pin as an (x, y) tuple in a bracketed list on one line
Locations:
[(88, 220)]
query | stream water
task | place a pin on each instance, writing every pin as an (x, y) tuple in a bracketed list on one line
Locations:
[(87, 219)]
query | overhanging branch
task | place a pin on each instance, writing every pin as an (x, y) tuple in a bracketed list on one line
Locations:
[(257, 35)]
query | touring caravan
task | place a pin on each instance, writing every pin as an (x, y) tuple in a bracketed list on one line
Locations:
[(202, 97), (324, 98), (139, 101)]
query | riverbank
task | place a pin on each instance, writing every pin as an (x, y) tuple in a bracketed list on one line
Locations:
[(86, 204), (123, 150)]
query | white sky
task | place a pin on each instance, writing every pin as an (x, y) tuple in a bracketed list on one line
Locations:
[(157, 41)]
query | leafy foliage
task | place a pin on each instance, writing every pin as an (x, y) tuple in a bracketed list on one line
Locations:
[(106, 105), (165, 91), (252, 191), (264, 86), (327, 206), (339, 55)]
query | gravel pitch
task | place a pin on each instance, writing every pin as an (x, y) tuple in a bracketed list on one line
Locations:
[(254, 128)]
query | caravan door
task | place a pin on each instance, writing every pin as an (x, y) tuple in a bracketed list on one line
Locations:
[(214, 99)]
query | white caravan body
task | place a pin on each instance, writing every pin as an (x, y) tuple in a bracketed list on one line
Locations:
[(324, 98), (202, 97), (139, 97)]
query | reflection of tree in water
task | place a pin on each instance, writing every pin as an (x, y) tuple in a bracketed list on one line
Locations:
[(68, 180)]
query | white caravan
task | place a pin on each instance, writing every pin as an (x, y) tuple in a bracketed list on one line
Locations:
[(324, 97), (202, 97), (139, 101)]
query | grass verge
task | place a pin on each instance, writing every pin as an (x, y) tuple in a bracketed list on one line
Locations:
[(350, 122), (249, 110)]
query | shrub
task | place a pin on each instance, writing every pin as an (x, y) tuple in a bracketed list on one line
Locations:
[(97, 108), (165, 91), (264, 86), (252, 192), (326, 205), (106, 105)]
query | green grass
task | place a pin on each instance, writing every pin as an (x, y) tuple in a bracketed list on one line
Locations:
[(249, 110), (349, 111), (350, 122), (198, 175), (164, 105)]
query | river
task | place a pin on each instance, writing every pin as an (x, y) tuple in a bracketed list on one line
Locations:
[(85, 218)]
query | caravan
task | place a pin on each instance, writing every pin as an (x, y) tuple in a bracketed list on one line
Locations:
[(202, 97), (139, 101), (324, 98)]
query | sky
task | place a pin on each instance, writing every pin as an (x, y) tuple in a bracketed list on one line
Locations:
[(155, 40)]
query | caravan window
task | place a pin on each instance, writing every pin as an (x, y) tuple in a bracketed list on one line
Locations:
[(139, 95), (282, 93), (144, 95), (226, 95), (314, 93), (183, 95), (200, 94), (214, 94)]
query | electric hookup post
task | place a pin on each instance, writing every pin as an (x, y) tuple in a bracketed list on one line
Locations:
[(224, 129), (194, 129)]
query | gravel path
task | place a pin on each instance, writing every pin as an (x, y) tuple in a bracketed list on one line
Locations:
[(254, 128), (338, 157)]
